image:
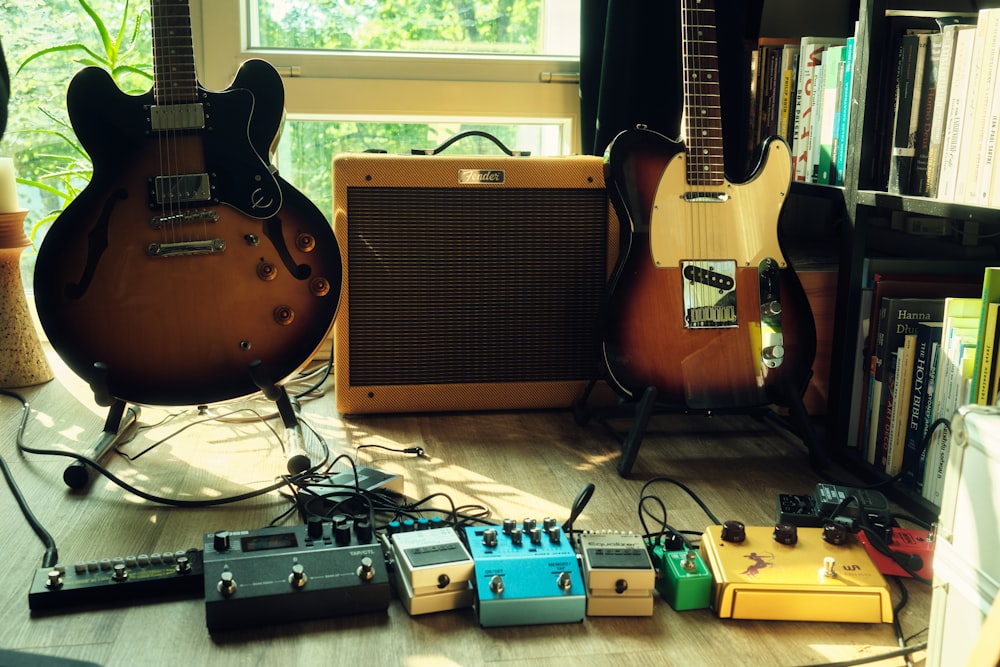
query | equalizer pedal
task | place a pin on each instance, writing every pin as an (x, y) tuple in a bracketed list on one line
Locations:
[(296, 573), (618, 574), (785, 572), (131, 579), (433, 570), (525, 575)]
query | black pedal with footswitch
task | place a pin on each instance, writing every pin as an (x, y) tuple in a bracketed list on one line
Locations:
[(295, 573), (125, 579)]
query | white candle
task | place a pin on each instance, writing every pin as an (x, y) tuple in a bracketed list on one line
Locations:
[(8, 186)]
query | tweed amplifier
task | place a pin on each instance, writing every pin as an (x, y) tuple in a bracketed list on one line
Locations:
[(471, 282)]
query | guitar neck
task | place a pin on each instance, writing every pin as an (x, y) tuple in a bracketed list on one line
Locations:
[(702, 101), (175, 79)]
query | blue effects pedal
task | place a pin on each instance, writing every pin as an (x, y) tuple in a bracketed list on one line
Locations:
[(525, 575)]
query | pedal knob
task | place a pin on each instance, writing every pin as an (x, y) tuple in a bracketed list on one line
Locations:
[(366, 572), (226, 585), (363, 531), (786, 533), (516, 537), (342, 533), (564, 581), (496, 584), (528, 524), (734, 531), (490, 537), (535, 534), (834, 533), (555, 535), (508, 526), (221, 541), (297, 578)]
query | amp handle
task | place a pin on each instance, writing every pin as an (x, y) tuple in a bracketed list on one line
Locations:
[(463, 135)]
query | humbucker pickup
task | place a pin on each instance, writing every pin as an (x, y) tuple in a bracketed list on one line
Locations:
[(180, 189), (177, 117)]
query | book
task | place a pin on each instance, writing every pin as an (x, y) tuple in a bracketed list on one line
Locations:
[(928, 339), (811, 50), (786, 100), (829, 107), (971, 150), (985, 354), (960, 328), (909, 79), (963, 68), (924, 114), (844, 117), (946, 62), (990, 294), (901, 402), (898, 316)]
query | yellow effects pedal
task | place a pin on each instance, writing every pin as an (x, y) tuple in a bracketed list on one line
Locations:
[(789, 573)]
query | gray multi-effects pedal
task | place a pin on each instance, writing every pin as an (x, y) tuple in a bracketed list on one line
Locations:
[(295, 573)]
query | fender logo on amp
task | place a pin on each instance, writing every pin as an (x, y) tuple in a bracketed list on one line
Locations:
[(467, 176)]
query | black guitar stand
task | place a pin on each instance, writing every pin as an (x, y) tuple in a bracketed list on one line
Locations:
[(641, 409), (121, 423)]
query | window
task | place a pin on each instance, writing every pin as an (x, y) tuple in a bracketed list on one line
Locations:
[(362, 74)]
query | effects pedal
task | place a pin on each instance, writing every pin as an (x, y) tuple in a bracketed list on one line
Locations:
[(618, 574), (433, 570), (525, 575), (295, 573), (130, 579), (683, 578), (784, 572), (913, 547)]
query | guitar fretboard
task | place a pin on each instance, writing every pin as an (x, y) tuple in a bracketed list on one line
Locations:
[(702, 112), (175, 79)]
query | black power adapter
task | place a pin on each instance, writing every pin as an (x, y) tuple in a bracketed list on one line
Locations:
[(832, 502)]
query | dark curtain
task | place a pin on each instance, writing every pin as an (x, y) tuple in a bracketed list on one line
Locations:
[(630, 71), (4, 91)]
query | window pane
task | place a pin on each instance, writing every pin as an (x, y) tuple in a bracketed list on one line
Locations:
[(497, 27), (307, 147)]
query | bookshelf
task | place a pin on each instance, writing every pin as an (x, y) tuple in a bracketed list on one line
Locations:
[(866, 247)]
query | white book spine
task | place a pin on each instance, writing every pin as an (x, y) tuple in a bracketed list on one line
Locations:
[(971, 152), (956, 114)]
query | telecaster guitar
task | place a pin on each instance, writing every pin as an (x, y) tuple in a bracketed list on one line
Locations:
[(703, 303), (187, 257)]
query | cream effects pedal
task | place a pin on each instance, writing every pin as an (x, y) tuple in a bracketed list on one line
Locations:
[(619, 575), (433, 570)]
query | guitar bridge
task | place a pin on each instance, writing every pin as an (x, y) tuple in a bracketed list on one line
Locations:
[(709, 294)]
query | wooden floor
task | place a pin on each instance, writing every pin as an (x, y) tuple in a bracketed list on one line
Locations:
[(514, 464)]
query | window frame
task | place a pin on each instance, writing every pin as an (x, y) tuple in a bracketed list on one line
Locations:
[(392, 86)]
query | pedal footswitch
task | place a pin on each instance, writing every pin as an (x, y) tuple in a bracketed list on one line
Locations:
[(296, 573), (618, 574), (525, 574)]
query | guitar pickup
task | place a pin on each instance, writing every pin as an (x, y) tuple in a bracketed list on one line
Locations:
[(182, 189), (177, 117)]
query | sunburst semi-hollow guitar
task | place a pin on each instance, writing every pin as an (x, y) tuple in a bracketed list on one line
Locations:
[(703, 305), (187, 258)]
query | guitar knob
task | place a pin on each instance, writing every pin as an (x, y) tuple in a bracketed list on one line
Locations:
[(305, 242), (284, 315), (319, 286), (773, 352), (267, 271)]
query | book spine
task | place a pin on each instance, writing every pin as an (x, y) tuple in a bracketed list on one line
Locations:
[(906, 87), (844, 119), (955, 116), (925, 112)]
